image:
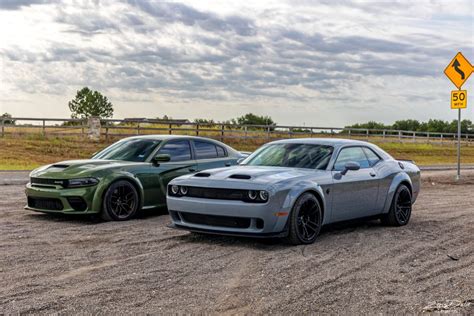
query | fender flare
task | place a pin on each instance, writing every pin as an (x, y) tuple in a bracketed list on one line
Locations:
[(111, 178), (302, 187), (396, 181)]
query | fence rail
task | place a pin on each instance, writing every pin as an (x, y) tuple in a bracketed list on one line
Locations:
[(112, 128)]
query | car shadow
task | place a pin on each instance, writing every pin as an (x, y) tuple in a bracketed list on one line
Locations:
[(340, 228), (92, 219)]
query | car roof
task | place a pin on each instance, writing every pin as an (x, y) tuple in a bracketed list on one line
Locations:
[(166, 137), (334, 142), (322, 141)]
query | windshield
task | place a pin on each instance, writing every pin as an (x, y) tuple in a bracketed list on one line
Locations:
[(292, 155), (129, 150)]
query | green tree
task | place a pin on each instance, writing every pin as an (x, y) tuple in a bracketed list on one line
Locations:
[(89, 103), (252, 119), (7, 119)]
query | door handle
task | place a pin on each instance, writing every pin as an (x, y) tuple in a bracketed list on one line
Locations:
[(192, 169), (372, 174), (227, 164)]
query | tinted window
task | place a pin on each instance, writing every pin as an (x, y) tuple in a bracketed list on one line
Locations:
[(371, 156), (179, 150), (355, 154), (205, 150), (221, 151), (129, 150), (292, 155)]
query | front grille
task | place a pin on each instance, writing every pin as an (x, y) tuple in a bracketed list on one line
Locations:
[(77, 203), (217, 194), (45, 203), (46, 182), (215, 220)]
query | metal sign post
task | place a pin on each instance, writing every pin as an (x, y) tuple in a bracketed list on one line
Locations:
[(458, 70), (458, 175)]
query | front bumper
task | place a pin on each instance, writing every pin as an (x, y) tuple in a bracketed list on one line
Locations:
[(217, 216), (55, 200)]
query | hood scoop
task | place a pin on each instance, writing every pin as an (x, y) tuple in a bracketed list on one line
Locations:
[(240, 176), (59, 166), (202, 175)]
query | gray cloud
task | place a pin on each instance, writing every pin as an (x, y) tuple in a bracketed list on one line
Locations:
[(18, 4), (184, 53)]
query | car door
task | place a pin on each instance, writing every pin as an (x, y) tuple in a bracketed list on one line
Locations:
[(209, 155), (182, 162), (355, 193)]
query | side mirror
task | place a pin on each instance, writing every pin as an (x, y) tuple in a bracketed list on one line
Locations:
[(161, 158), (351, 165), (239, 161)]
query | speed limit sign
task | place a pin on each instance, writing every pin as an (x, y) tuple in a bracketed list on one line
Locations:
[(458, 99)]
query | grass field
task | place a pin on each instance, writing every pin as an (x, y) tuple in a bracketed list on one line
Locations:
[(28, 152)]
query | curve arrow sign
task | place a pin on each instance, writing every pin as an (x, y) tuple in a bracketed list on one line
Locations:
[(456, 65)]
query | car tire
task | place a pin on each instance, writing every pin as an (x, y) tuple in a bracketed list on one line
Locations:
[(305, 220), (400, 209), (121, 201)]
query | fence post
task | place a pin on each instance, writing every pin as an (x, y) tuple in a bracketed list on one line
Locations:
[(441, 139), (138, 128), (94, 125), (428, 137), (44, 128), (383, 134), (312, 132), (350, 133), (332, 132), (106, 132), (268, 132), (400, 136), (290, 132), (197, 129), (170, 129), (82, 127), (3, 127), (367, 132), (414, 137), (222, 133), (246, 131)]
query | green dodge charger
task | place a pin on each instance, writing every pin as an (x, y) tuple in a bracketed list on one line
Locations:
[(125, 177)]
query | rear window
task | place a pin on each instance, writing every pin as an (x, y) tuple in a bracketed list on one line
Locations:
[(205, 150), (221, 151)]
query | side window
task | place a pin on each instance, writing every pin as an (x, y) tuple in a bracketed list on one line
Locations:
[(371, 156), (205, 150), (355, 154), (221, 152), (179, 150)]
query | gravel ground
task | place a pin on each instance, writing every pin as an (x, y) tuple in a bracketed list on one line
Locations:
[(69, 265)]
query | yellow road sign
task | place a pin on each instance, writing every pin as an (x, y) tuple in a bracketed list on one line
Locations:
[(458, 70), (458, 99)]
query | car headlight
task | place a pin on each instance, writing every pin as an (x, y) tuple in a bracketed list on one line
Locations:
[(83, 182), (174, 189), (255, 196), (183, 190), (252, 194)]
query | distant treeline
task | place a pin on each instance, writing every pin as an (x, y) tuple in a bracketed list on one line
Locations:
[(439, 126)]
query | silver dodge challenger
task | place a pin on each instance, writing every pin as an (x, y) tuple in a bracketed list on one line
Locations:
[(291, 188)]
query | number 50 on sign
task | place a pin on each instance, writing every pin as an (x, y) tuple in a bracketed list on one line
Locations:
[(458, 99)]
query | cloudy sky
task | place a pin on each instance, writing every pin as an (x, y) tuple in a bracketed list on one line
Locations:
[(318, 63)]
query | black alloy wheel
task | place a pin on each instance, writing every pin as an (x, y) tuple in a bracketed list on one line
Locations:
[(120, 201), (305, 220), (400, 210)]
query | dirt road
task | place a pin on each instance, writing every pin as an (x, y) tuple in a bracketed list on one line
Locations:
[(69, 264)]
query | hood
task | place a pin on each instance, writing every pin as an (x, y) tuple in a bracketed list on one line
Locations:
[(238, 176), (78, 168)]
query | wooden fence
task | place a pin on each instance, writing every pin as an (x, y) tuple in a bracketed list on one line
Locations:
[(114, 128)]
